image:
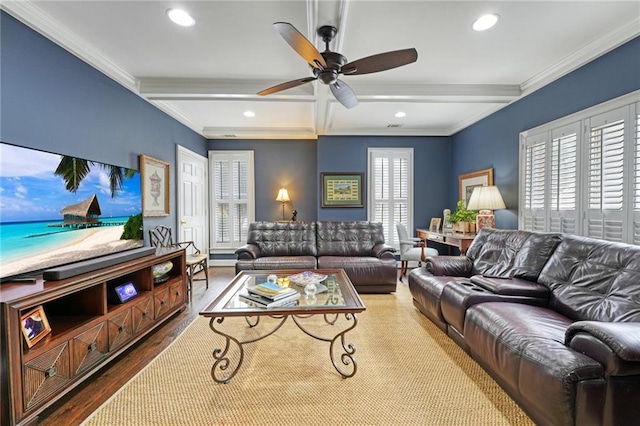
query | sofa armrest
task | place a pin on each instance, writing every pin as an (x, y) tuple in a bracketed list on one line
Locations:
[(616, 345), (248, 252), (453, 266), (383, 251)]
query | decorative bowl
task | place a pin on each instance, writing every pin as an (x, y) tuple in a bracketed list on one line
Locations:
[(161, 269)]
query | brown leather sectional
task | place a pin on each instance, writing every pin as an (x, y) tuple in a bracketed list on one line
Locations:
[(358, 247), (553, 318)]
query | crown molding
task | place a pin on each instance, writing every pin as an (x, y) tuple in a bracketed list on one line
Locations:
[(583, 56), (40, 22), (175, 113)]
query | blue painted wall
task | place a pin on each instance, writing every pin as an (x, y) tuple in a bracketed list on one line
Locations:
[(432, 162), (493, 141), (280, 163), (55, 102), (297, 164)]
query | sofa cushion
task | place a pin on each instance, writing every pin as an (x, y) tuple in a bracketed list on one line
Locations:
[(362, 270), (348, 238), (283, 238), (277, 262), (594, 280), (511, 286), (523, 348), (508, 253)]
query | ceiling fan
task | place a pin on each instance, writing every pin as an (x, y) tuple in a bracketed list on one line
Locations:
[(328, 65)]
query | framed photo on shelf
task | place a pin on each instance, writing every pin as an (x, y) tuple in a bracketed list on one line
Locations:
[(434, 225), (34, 326), (342, 189), (468, 181), (154, 175)]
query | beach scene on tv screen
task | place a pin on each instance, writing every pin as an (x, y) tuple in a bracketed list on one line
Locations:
[(57, 209)]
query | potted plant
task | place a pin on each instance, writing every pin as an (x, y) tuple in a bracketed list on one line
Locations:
[(463, 219)]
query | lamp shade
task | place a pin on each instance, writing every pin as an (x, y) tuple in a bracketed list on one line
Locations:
[(283, 195), (486, 198)]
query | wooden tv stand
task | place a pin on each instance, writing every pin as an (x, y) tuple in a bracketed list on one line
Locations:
[(87, 329)]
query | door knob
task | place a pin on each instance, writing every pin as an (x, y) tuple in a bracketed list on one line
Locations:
[(183, 222)]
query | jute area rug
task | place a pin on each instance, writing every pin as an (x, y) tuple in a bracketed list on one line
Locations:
[(408, 372)]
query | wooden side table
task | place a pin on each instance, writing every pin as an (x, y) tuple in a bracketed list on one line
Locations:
[(451, 239)]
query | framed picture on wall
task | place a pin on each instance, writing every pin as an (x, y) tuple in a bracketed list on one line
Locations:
[(154, 175), (468, 181), (342, 189)]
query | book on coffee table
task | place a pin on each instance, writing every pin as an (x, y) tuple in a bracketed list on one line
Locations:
[(269, 303), (271, 291)]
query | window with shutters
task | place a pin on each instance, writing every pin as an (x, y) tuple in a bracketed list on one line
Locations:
[(534, 179), (390, 194), (232, 198), (581, 174), (563, 179), (635, 214)]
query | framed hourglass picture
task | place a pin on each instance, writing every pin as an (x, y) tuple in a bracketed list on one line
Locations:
[(154, 175)]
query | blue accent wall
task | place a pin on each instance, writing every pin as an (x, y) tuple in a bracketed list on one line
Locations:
[(280, 163), (297, 164), (494, 141), (432, 162), (53, 101)]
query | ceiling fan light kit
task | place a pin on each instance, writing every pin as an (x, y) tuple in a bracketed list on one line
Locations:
[(327, 66)]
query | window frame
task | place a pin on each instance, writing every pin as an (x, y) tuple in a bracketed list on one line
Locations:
[(625, 108), (229, 156), (391, 236)]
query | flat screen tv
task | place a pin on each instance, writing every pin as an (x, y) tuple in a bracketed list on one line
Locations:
[(57, 210)]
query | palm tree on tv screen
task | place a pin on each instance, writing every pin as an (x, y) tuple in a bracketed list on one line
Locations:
[(74, 170)]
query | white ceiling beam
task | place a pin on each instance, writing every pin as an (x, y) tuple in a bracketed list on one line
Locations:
[(259, 133)]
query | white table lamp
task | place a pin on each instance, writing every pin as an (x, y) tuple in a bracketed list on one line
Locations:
[(485, 199)]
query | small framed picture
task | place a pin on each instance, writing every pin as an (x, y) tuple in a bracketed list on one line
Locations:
[(342, 189), (34, 325), (434, 226)]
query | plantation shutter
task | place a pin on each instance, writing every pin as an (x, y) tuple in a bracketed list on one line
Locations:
[(563, 189), (534, 177), (605, 177), (391, 186), (232, 181), (635, 234)]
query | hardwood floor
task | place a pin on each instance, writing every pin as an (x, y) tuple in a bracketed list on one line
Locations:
[(75, 407)]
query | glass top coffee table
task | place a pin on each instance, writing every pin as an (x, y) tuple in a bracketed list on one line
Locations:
[(339, 299)]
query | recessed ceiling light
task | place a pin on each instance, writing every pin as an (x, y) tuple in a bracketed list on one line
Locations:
[(249, 114), (400, 114), (485, 22), (181, 17)]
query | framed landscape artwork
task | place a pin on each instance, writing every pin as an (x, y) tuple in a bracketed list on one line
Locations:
[(154, 175), (342, 189), (468, 181)]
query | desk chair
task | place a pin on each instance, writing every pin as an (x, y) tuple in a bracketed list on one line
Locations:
[(160, 236), (411, 249)]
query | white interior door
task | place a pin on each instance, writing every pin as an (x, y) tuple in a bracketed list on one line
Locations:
[(192, 198)]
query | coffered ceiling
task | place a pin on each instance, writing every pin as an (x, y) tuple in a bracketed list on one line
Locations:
[(207, 75)]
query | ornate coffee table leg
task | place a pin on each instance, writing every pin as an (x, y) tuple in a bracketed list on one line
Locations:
[(346, 358), (222, 361)]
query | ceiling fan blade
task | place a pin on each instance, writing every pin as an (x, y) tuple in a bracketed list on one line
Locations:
[(381, 62), (288, 85), (344, 94), (300, 44)]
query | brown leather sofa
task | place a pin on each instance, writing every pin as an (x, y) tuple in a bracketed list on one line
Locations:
[(553, 318), (358, 247)]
